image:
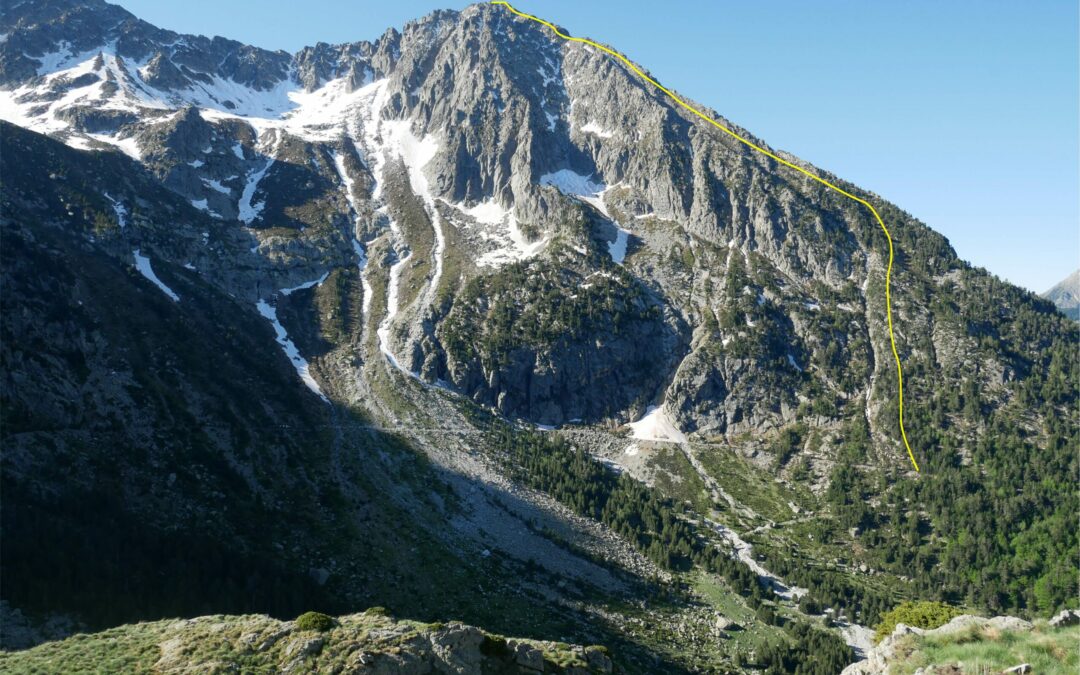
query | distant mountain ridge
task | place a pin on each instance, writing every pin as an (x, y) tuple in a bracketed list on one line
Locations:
[(1066, 295)]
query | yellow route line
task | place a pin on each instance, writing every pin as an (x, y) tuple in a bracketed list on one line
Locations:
[(751, 144)]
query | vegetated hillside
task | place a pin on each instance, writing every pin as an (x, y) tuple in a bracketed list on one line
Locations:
[(469, 226)]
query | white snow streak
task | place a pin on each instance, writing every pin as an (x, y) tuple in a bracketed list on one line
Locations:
[(391, 310), (248, 211), (298, 361), (358, 248), (142, 263), (417, 153), (120, 209), (216, 185), (305, 285)]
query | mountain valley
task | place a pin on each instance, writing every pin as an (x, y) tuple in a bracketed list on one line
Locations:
[(472, 324)]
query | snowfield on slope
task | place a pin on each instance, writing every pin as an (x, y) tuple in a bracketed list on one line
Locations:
[(657, 425), (500, 230)]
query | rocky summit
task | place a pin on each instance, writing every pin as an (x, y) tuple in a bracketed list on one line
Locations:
[(474, 323)]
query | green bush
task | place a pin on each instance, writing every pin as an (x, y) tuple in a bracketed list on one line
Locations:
[(767, 615), (922, 614), (314, 621)]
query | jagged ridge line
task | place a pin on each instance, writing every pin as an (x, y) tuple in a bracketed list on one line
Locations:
[(751, 144)]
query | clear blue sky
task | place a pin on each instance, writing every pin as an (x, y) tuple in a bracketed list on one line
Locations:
[(964, 113)]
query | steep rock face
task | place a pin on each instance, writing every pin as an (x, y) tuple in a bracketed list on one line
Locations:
[(470, 140), (548, 343)]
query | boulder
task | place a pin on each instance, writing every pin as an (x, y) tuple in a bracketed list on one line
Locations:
[(1066, 617)]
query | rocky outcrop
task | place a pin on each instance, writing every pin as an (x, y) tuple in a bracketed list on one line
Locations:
[(358, 643), (1065, 618), (890, 650)]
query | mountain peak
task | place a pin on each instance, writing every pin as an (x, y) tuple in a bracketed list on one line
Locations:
[(1066, 295)]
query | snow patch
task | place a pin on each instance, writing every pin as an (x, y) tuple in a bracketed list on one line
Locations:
[(142, 263), (515, 245), (490, 212), (617, 248), (129, 146), (416, 153), (216, 185), (572, 183), (597, 130), (591, 192), (791, 360), (656, 425), (361, 263)]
